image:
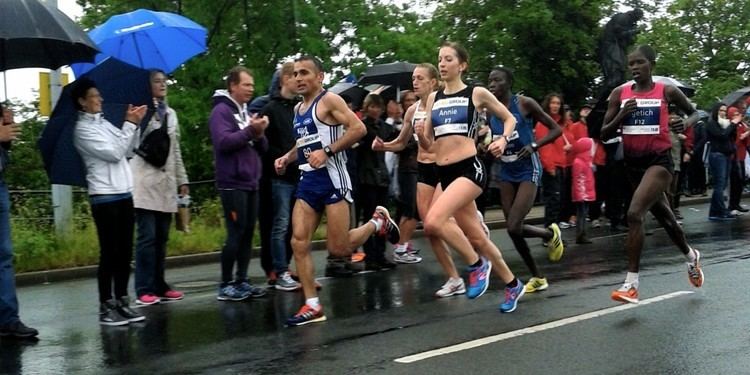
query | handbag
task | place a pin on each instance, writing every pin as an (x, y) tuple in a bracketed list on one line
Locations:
[(154, 147)]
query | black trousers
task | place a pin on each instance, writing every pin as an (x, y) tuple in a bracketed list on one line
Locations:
[(369, 197), (551, 197), (115, 222), (240, 213)]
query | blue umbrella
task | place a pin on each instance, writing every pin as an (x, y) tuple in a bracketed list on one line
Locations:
[(120, 84), (149, 39)]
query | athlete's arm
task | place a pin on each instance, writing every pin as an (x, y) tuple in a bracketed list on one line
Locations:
[(284, 160), (485, 100), (336, 111), (404, 135), (424, 130), (614, 116), (537, 113), (674, 95)]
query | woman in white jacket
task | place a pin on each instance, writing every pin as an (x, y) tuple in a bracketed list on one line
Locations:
[(155, 201), (103, 148)]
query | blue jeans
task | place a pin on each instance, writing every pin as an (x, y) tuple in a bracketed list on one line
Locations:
[(282, 193), (150, 251), (719, 165), (8, 299)]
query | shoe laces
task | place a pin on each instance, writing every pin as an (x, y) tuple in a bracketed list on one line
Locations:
[(287, 278), (306, 311)]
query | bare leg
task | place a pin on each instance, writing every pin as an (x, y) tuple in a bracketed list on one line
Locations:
[(425, 196), (650, 190), (516, 205), (304, 222), (458, 201), (666, 218), (407, 226)]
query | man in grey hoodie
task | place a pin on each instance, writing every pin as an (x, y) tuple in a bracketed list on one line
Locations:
[(238, 139)]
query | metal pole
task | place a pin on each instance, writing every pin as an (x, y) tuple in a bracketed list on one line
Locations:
[(62, 195)]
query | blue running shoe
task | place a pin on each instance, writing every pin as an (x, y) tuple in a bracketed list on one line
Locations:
[(231, 293), (512, 295), (306, 315), (479, 279), (252, 291)]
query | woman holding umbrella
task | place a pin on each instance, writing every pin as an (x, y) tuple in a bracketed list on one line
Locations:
[(451, 125), (103, 148)]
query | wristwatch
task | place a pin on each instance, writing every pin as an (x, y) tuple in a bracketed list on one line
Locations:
[(534, 146), (328, 151)]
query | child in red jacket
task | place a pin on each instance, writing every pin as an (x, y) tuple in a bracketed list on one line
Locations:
[(583, 188)]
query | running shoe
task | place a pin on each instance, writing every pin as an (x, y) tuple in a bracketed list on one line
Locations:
[(306, 315), (147, 299), (451, 287), (388, 227), (406, 257), (286, 283), (252, 291), (479, 279), (110, 316), (123, 308), (627, 293), (484, 226), (172, 295), (596, 223), (564, 225), (230, 293), (695, 273), (512, 295), (536, 284), (358, 257), (555, 246), (410, 248)]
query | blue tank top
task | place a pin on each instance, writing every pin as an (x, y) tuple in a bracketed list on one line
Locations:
[(313, 134), (522, 135), (454, 114)]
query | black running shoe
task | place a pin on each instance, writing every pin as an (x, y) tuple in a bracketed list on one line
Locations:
[(123, 307), (109, 314)]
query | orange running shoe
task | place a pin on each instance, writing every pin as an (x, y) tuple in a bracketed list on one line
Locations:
[(306, 315), (626, 294), (695, 273), (358, 257)]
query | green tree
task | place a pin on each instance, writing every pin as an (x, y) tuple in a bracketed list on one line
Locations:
[(550, 45), (704, 43)]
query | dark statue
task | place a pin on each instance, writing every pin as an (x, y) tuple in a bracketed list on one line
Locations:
[(617, 36)]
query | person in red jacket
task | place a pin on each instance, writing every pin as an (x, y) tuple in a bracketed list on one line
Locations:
[(737, 172), (583, 188), (553, 160)]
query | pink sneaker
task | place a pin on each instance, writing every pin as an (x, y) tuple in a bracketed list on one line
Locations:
[(173, 295), (147, 299)]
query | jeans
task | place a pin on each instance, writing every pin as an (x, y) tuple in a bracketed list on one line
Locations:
[(283, 194), (150, 251), (719, 165), (240, 212), (8, 299), (115, 222)]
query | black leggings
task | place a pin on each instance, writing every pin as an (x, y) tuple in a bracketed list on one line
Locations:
[(115, 222)]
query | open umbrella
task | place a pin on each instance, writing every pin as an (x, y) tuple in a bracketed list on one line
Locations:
[(120, 84), (150, 40), (35, 34), (355, 92), (397, 74), (734, 96)]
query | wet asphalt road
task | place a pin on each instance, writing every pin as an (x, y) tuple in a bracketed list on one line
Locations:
[(377, 318)]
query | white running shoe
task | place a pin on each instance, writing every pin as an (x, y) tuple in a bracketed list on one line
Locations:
[(406, 257), (451, 287)]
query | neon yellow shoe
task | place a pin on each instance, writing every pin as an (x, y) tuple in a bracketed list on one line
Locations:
[(536, 284), (555, 245)]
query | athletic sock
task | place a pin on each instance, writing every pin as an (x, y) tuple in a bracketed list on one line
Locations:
[(377, 223), (513, 283), (477, 264), (632, 279), (691, 255), (401, 248), (313, 302)]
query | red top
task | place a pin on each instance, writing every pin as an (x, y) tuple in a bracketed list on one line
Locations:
[(553, 154), (646, 131), (742, 144), (583, 186)]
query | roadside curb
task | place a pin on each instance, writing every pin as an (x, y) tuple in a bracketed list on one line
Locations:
[(42, 277)]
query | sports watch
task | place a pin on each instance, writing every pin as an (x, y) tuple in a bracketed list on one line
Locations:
[(328, 151)]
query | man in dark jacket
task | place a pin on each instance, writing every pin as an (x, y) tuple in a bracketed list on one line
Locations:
[(277, 191), (238, 139)]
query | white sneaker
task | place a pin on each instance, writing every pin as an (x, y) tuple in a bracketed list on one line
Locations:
[(451, 287), (406, 257), (563, 225), (735, 213), (286, 283), (596, 223), (484, 226)]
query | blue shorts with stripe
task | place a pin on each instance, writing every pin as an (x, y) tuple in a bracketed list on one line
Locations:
[(318, 191), (521, 170)]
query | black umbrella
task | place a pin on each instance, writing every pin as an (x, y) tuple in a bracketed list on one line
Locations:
[(396, 74), (35, 34), (736, 95), (355, 92), (119, 84)]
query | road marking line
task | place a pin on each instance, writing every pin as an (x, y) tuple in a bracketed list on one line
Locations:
[(533, 329)]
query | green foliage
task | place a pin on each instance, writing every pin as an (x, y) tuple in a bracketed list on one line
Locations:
[(550, 45), (704, 43)]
